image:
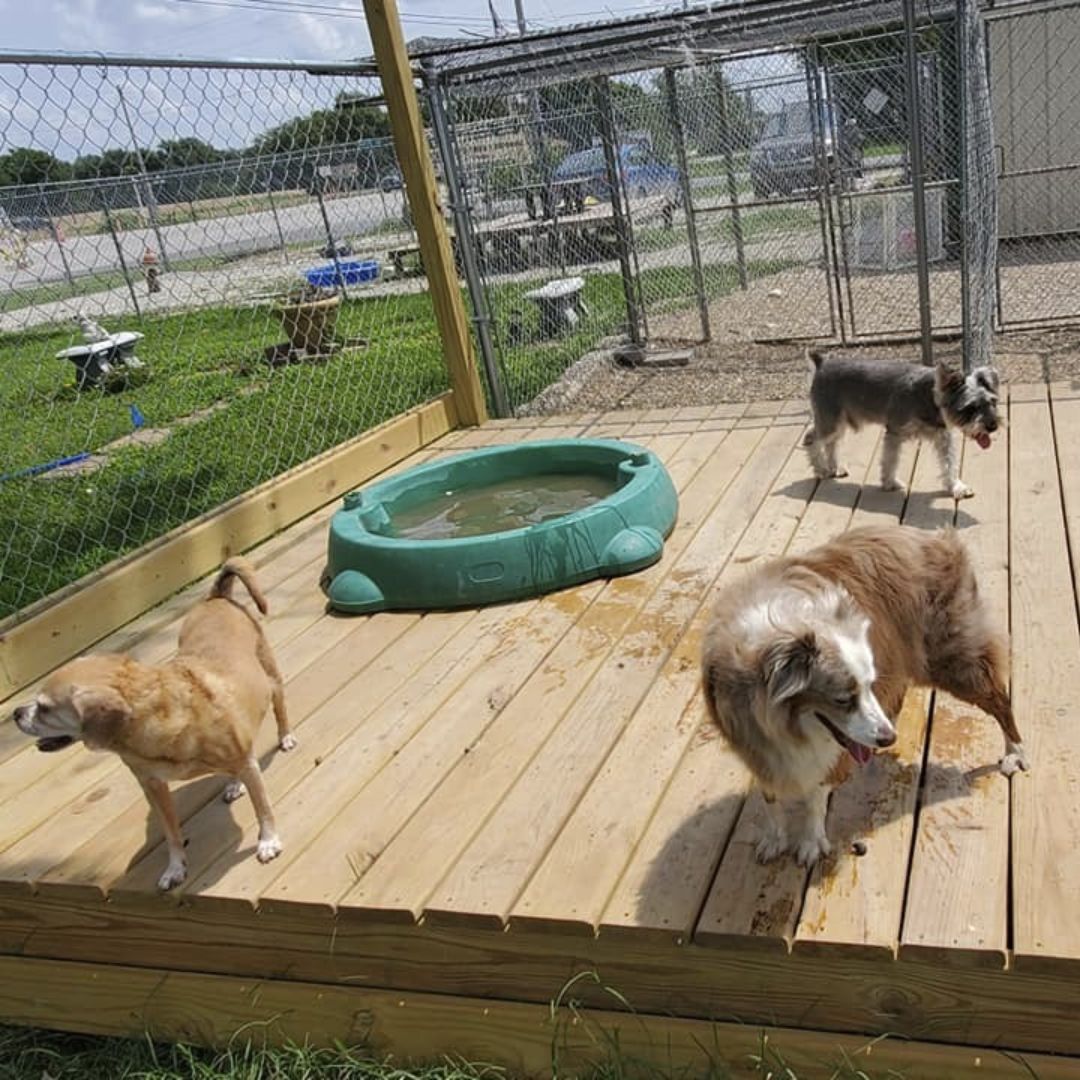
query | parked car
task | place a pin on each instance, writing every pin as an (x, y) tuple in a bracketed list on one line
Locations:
[(584, 173), (390, 181), (783, 159)]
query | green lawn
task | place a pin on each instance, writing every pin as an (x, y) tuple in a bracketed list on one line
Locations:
[(251, 422), (29, 1054)]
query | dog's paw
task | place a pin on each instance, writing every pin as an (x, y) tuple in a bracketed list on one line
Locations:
[(771, 846), (960, 490), (288, 742), (234, 789), (891, 485), (1014, 761), (268, 849), (175, 874), (812, 848)]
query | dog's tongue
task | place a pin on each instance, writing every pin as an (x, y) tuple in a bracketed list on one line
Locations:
[(862, 754), (983, 440)]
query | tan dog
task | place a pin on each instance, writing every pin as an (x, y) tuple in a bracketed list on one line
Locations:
[(193, 715), (807, 661)]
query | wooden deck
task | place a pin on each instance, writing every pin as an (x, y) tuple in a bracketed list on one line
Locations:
[(489, 806)]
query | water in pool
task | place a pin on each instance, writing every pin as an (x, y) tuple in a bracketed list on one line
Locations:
[(509, 504)]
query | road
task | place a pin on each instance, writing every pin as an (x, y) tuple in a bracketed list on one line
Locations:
[(247, 233), (235, 235)]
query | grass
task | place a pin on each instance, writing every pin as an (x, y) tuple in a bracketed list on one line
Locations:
[(33, 1054), (253, 422)]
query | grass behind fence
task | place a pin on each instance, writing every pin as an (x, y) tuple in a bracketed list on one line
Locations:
[(232, 422)]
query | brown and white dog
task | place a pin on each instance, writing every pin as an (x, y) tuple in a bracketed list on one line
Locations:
[(196, 714), (806, 663)]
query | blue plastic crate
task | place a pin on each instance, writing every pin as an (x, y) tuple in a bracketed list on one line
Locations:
[(353, 272)]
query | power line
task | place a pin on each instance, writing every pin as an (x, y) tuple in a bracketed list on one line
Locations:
[(282, 7)]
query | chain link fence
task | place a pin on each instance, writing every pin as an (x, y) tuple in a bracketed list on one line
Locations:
[(162, 346), (746, 176), (782, 173)]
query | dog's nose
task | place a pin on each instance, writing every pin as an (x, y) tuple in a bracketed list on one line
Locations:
[(886, 738), (991, 425)]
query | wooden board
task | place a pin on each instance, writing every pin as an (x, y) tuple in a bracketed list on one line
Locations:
[(407, 870), (1046, 684), (749, 904), (490, 875), (957, 897), (855, 903), (606, 826), (525, 1039)]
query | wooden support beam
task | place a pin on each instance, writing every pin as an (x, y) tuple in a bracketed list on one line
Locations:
[(531, 1040), (414, 158), (74, 618)]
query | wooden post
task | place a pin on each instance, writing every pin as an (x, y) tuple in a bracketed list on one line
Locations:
[(416, 169)]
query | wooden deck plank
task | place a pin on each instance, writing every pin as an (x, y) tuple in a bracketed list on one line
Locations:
[(606, 826), (686, 836), (330, 854), (486, 881), (1046, 682), (855, 903), (37, 786), (129, 833), (406, 871), (750, 904), (958, 887)]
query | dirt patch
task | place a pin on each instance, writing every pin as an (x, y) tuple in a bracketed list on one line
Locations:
[(734, 370)]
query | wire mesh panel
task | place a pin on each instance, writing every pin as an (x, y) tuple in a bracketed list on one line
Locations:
[(871, 98), (197, 292), (759, 196), (1034, 61)]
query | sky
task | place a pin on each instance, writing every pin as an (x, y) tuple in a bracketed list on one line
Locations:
[(265, 29)]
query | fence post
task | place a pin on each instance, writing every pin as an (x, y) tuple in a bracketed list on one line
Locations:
[(608, 137), (729, 168), (60, 248), (466, 245), (672, 93), (918, 178), (277, 220), (414, 157), (120, 256), (978, 191), (330, 240)]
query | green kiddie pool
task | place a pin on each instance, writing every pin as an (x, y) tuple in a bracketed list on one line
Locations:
[(498, 524)]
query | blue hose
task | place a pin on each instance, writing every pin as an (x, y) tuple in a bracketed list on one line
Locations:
[(48, 466)]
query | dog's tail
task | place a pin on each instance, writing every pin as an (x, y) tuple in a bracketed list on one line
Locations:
[(238, 567)]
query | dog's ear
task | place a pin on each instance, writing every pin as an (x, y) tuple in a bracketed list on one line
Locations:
[(988, 378), (947, 378), (102, 712), (787, 664)]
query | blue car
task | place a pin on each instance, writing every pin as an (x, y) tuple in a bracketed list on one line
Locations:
[(584, 173)]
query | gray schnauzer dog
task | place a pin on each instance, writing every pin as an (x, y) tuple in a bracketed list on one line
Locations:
[(911, 401)]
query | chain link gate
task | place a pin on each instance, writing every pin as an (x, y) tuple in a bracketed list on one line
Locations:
[(1034, 60)]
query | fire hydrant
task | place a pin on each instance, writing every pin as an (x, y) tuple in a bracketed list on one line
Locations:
[(151, 271)]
